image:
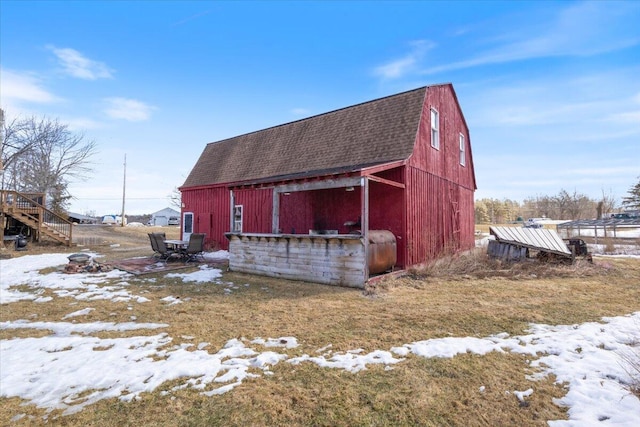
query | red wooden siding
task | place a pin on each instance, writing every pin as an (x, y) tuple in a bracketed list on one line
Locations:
[(439, 199), (256, 209), (296, 216), (386, 209), (444, 162), (319, 210), (332, 208), (210, 207)]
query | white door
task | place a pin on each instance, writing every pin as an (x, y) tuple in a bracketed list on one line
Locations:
[(187, 225)]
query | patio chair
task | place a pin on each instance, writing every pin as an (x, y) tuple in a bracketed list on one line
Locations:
[(154, 243), (164, 253), (195, 247)]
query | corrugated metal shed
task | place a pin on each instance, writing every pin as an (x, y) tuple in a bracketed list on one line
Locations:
[(540, 239), (606, 222)]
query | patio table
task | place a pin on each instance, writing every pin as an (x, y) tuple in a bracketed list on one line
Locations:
[(176, 244)]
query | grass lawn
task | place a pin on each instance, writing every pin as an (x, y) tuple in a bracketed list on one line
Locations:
[(448, 300)]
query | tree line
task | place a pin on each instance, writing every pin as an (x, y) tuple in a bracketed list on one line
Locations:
[(564, 205), (42, 155)]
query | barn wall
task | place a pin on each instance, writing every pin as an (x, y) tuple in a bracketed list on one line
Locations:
[(295, 213), (438, 218), (319, 210), (386, 213), (439, 198), (256, 207), (210, 207), (444, 162), (332, 208)]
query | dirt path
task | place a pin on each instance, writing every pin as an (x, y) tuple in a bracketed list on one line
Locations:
[(115, 236)]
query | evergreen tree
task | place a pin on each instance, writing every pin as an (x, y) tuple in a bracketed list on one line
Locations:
[(633, 200)]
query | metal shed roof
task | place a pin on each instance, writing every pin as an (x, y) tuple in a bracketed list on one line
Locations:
[(533, 238), (608, 222)]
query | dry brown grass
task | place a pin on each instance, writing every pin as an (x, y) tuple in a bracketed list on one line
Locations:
[(631, 363), (455, 297)]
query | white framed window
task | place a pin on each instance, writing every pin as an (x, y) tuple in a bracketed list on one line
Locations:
[(237, 219), (435, 129), (187, 225), (463, 158)]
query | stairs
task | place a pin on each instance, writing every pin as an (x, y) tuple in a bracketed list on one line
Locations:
[(28, 210)]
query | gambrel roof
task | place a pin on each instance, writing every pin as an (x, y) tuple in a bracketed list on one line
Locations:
[(349, 139)]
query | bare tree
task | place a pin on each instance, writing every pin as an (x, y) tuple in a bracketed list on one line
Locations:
[(43, 155), (176, 198), (540, 206), (608, 204), (574, 206), (13, 143)]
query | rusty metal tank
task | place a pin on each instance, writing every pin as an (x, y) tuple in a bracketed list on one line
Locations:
[(382, 254)]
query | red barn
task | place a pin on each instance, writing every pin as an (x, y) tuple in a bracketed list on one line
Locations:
[(323, 198)]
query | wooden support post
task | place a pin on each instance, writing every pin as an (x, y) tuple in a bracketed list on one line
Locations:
[(233, 203), (275, 214), (364, 221)]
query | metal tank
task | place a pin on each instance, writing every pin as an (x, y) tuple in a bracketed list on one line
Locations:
[(382, 254)]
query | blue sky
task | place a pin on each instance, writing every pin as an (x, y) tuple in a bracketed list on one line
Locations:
[(550, 90)]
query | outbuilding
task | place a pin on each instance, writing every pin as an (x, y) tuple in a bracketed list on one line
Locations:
[(166, 216), (341, 196)]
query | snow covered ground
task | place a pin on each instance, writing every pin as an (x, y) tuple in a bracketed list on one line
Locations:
[(58, 371)]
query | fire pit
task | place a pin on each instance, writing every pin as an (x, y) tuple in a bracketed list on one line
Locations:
[(79, 258), (84, 263)]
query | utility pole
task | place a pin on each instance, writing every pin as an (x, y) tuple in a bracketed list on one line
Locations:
[(124, 187)]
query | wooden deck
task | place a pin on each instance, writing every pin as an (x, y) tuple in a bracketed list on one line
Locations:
[(28, 211)]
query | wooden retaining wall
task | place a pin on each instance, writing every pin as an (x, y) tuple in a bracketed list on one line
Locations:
[(328, 259)]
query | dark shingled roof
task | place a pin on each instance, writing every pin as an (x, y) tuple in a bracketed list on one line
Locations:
[(367, 134)]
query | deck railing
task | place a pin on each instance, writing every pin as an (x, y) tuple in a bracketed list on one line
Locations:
[(30, 205)]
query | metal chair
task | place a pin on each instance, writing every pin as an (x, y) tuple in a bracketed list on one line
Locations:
[(164, 253), (154, 243), (195, 248)]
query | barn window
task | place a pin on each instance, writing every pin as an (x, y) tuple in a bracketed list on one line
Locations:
[(237, 219), (463, 159), (435, 129)]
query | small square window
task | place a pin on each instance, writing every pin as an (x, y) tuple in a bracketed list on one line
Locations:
[(435, 129), (237, 219), (463, 159)]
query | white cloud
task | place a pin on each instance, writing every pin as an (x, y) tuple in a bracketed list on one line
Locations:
[(588, 104), (191, 18), (77, 65), (406, 64), (630, 117), (127, 109), (23, 87), (300, 112), (582, 29)]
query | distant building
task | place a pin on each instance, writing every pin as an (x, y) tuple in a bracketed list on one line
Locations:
[(166, 216), (113, 219), (81, 219)]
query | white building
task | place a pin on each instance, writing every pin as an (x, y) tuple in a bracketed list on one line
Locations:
[(166, 216)]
